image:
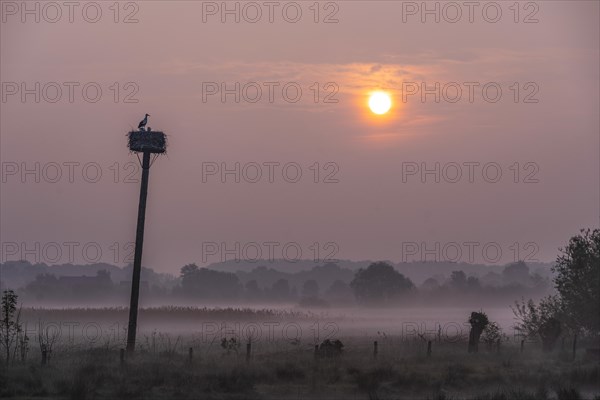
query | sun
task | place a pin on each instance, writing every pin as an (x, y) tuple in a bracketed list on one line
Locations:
[(380, 103)]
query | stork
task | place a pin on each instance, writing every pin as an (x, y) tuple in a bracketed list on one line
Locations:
[(143, 122)]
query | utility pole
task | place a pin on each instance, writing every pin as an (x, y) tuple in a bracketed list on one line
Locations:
[(150, 144)]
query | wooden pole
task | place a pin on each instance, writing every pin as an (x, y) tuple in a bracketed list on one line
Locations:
[(137, 259), (522, 345), (574, 346), (375, 349), (315, 369), (429, 348), (248, 351), (122, 356), (44, 355), (190, 354)]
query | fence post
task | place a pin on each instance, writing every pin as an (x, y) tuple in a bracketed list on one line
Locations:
[(248, 350), (191, 354), (522, 345), (498, 346), (429, 348), (375, 349), (122, 356), (44, 355), (574, 346), (315, 369)]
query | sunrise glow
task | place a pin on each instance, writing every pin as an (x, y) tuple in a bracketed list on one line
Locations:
[(380, 103)]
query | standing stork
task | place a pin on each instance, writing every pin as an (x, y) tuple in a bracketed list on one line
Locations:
[(143, 122)]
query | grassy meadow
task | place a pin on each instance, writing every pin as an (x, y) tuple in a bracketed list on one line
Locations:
[(282, 362)]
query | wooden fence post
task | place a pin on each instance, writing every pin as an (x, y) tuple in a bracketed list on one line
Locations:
[(574, 346), (248, 351), (44, 355), (375, 349), (522, 345), (429, 348), (315, 369), (122, 356), (191, 354)]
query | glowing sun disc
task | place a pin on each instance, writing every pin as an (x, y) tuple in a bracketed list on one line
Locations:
[(380, 103)]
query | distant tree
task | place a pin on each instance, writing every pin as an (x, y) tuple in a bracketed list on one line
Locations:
[(253, 292), (310, 288), (430, 284), (539, 282), (379, 283), (458, 279), (44, 285), (103, 280), (473, 283), (331, 266), (578, 280), (207, 283), (188, 274), (103, 275), (492, 279), (517, 272), (280, 290), (339, 291), (188, 269), (293, 293)]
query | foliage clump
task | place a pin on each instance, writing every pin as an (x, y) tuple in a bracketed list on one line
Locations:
[(576, 307), (379, 284), (491, 334), (331, 348), (479, 321), (230, 345)]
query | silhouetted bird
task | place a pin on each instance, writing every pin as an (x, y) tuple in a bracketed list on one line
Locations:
[(143, 122)]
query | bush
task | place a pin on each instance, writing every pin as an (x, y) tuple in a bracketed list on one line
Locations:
[(331, 348), (491, 334)]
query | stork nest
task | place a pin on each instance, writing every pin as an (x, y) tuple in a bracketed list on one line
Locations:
[(150, 141)]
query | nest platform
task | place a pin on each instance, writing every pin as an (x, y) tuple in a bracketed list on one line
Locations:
[(147, 141)]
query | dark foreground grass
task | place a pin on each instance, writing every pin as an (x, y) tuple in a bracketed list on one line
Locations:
[(278, 372)]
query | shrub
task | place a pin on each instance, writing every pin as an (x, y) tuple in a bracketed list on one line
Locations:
[(331, 348)]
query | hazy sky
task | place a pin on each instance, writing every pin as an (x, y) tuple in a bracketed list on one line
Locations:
[(370, 200)]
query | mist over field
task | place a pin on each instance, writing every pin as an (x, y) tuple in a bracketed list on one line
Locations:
[(328, 200), (441, 293), (334, 328)]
